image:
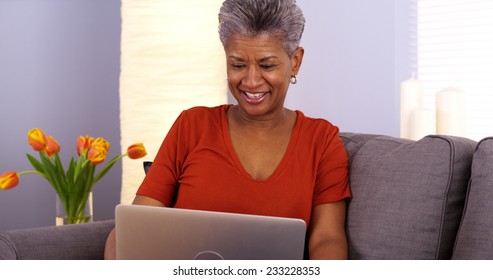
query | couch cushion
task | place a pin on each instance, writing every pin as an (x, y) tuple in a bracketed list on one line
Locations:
[(475, 237), (408, 195), (69, 242), (7, 250)]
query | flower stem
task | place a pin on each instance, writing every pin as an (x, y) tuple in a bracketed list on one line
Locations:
[(31, 172)]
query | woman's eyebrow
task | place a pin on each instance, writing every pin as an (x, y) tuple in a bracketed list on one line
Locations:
[(267, 58), (235, 58)]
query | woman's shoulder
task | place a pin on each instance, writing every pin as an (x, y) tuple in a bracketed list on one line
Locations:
[(318, 131), (201, 112), (203, 118), (205, 110), (317, 136), (313, 123)]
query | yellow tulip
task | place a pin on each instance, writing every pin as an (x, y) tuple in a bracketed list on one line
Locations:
[(9, 180), (100, 141), (136, 151), (97, 154), (37, 139)]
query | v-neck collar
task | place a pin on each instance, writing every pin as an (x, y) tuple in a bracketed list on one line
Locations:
[(239, 166)]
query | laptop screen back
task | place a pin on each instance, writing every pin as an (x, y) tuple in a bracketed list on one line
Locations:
[(146, 232)]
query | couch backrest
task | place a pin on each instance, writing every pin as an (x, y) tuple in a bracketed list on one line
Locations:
[(475, 236), (408, 196)]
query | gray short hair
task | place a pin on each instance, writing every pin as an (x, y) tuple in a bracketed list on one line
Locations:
[(281, 18)]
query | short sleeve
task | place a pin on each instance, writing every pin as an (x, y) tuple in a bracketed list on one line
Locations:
[(161, 181), (332, 183)]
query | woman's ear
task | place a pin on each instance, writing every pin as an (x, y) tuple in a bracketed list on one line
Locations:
[(297, 59)]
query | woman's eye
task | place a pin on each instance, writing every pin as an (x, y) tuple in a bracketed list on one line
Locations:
[(267, 66), (238, 65)]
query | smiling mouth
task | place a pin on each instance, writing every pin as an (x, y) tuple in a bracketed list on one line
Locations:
[(254, 98), (255, 95)]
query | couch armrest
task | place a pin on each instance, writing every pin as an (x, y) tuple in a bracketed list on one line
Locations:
[(69, 242)]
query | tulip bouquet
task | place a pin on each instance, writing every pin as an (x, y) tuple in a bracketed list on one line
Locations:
[(74, 184)]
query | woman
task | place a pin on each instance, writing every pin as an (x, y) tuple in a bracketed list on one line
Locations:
[(257, 157)]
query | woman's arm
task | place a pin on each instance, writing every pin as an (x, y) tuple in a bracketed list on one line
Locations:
[(110, 247), (327, 233)]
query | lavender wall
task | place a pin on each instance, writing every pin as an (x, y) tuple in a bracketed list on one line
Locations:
[(59, 70), (356, 54)]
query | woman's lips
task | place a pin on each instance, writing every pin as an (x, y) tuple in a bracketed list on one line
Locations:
[(254, 98)]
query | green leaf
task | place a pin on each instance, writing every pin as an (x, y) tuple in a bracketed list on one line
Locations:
[(59, 169), (71, 172), (50, 170), (84, 180), (81, 163), (107, 168), (35, 163), (90, 179)]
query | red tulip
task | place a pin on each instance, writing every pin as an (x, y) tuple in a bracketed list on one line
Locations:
[(136, 151), (83, 144), (9, 180), (52, 146), (37, 139)]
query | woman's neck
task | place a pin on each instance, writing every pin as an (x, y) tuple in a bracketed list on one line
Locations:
[(268, 122)]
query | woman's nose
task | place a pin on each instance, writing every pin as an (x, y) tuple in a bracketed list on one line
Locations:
[(253, 78)]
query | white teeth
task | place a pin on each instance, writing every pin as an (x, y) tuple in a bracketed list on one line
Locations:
[(254, 95)]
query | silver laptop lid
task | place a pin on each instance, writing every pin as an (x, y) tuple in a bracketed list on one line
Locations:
[(146, 232)]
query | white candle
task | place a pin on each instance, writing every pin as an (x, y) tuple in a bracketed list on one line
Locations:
[(451, 112), (422, 123), (411, 99)]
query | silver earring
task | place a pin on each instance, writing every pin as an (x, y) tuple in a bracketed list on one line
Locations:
[(293, 79)]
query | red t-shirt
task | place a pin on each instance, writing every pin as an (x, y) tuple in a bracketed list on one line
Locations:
[(196, 167)]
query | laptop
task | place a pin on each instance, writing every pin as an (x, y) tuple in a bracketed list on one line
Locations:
[(150, 233)]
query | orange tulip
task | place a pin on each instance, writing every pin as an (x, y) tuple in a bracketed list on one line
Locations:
[(136, 151), (52, 146), (83, 144), (37, 139), (97, 154), (9, 180)]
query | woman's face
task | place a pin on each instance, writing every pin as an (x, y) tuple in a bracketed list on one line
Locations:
[(259, 72)]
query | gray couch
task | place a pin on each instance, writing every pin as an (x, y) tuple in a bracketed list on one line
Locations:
[(426, 199)]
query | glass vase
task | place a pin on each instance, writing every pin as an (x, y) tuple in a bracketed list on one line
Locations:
[(74, 208)]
